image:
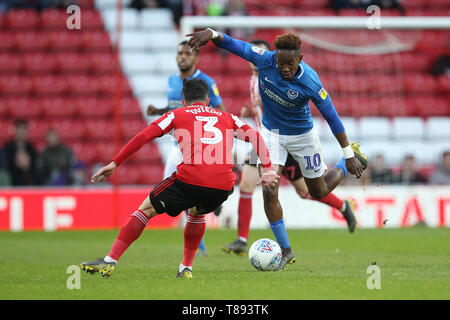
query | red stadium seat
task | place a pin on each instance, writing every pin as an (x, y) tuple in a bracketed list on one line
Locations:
[(420, 83), (54, 19), (65, 40), (100, 130), (91, 19), (96, 41), (49, 85), (8, 41), (86, 152), (6, 128), (94, 108), (414, 4), (4, 109), (128, 174), (104, 62), (108, 85), (106, 150), (31, 41), (443, 84), (58, 107), (37, 130), (24, 108), (236, 64), (386, 84), (73, 62), (151, 174), (70, 130), (313, 3), (16, 85), (129, 108), (10, 63), (22, 19), (148, 154), (431, 107), (39, 63), (414, 62), (82, 85), (132, 127)]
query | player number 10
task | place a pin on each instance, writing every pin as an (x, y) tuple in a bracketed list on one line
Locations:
[(315, 163)]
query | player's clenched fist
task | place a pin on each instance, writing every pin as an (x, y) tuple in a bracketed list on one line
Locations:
[(104, 172), (354, 166)]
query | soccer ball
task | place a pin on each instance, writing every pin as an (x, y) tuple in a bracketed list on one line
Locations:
[(265, 254)]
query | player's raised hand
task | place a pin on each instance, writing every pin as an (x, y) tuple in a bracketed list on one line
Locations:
[(269, 178), (104, 172), (354, 166), (199, 38)]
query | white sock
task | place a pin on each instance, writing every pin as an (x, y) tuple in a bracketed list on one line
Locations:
[(242, 239), (109, 259), (182, 266), (343, 207)]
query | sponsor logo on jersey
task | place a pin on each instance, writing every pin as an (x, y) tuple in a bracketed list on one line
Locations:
[(215, 89), (292, 94), (323, 93), (258, 50)]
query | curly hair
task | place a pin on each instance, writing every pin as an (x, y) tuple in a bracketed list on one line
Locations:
[(287, 41)]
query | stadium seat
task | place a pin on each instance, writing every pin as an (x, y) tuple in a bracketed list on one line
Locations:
[(438, 128), (85, 152), (151, 174), (39, 63), (443, 84), (408, 128), (89, 108), (106, 150), (137, 63), (64, 40), (49, 85), (130, 109), (100, 129), (53, 19), (73, 62), (103, 62), (32, 41), (58, 107), (96, 41), (108, 85), (24, 108), (432, 106), (375, 128), (420, 83), (129, 19), (22, 19), (8, 41), (82, 85), (386, 84), (132, 41), (148, 154), (16, 85), (70, 130), (161, 41), (10, 63), (131, 127), (154, 19), (128, 174), (91, 19), (236, 64), (148, 84), (37, 129)]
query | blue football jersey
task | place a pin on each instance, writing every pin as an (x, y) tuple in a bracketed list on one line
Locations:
[(175, 89), (285, 103)]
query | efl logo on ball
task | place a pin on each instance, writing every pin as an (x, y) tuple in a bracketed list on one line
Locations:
[(265, 255)]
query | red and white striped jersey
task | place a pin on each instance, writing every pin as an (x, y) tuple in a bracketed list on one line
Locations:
[(205, 136), (255, 98)]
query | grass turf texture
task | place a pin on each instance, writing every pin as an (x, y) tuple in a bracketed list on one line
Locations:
[(331, 264)]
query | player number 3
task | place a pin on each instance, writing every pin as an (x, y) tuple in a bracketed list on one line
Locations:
[(209, 127)]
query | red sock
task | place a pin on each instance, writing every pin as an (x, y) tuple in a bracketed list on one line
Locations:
[(193, 234), (330, 199), (129, 232), (244, 214)]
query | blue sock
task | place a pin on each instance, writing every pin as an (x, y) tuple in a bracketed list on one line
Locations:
[(201, 246), (279, 231), (341, 165)]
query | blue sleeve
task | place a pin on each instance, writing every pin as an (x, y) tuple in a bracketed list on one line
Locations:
[(214, 95), (245, 50), (322, 101)]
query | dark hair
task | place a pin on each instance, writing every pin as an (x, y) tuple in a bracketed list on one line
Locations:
[(257, 42), (287, 41), (20, 122), (195, 90), (184, 43)]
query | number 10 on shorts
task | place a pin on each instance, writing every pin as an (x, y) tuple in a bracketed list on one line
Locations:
[(315, 163)]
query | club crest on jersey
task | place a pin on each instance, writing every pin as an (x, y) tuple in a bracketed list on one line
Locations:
[(258, 50), (323, 93), (292, 94)]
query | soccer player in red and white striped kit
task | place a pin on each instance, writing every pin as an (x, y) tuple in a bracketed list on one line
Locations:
[(202, 182)]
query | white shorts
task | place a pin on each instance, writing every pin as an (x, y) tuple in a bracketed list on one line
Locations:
[(305, 148), (173, 160)]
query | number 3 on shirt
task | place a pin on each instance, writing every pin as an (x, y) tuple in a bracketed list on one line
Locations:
[(209, 127)]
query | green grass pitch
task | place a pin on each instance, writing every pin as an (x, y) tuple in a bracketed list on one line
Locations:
[(331, 264)]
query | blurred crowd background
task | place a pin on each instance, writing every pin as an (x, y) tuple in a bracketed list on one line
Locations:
[(57, 88)]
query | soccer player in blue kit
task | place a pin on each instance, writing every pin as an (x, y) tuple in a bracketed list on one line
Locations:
[(286, 84), (187, 61)]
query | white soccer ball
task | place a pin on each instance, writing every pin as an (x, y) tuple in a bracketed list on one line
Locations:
[(265, 254)]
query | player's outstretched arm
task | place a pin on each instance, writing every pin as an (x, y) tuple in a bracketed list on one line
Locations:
[(353, 165), (104, 172)]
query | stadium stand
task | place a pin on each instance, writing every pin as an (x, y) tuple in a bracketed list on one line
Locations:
[(66, 80)]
